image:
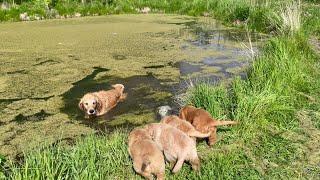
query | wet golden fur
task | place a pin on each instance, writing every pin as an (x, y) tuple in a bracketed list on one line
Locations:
[(146, 155)]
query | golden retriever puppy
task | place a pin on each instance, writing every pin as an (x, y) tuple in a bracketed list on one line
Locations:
[(164, 111), (99, 103), (202, 121), (184, 126), (146, 155), (175, 144)]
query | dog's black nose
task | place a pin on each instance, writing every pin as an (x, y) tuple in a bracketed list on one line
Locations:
[(91, 111)]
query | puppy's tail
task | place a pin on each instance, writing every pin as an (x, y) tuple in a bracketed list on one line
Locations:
[(123, 97), (221, 123), (198, 134), (145, 164), (119, 87)]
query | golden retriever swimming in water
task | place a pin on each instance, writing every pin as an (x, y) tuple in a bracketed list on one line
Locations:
[(99, 103)]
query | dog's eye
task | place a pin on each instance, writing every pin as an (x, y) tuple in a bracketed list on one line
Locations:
[(86, 104), (94, 103)]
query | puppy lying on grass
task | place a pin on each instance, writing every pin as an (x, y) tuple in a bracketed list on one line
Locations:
[(175, 144), (202, 121), (184, 126), (147, 157), (99, 103)]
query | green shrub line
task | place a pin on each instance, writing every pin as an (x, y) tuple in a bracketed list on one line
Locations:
[(261, 16)]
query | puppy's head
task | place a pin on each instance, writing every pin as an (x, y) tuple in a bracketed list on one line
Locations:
[(164, 111), (90, 104), (138, 134), (154, 129)]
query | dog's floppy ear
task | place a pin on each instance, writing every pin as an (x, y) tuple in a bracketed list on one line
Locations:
[(81, 106), (99, 105)]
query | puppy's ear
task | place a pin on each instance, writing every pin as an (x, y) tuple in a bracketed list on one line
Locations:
[(81, 106), (99, 105)]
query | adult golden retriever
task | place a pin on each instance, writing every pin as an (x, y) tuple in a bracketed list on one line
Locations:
[(99, 103)]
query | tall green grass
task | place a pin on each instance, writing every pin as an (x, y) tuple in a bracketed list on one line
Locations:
[(92, 157), (281, 83), (311, 20)]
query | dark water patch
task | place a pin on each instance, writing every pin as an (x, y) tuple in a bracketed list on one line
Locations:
[(5, 102), (41, 98), (187, 68), (205, 37), (214, 60), (184, 84), (47, 62), (141, 89), (119, 57), (19, 99), (187, 23), (40, 116), (23, 71), (224, 63), (154, 67)]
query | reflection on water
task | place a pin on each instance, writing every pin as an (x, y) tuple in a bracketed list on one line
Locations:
[(231, 54)]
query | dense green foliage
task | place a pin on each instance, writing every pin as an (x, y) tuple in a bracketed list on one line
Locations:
[(262, 16)]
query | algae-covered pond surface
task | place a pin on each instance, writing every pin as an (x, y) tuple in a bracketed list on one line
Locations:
[(47, 66)]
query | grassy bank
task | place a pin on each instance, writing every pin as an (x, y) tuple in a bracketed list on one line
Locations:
[(278, 107)]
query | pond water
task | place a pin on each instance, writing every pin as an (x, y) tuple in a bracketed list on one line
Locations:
[(47, 66)]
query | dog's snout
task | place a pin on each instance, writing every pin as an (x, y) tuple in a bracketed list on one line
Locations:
[(91, 111)]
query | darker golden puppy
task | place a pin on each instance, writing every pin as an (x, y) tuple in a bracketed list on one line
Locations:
[(99, 103), (202, 121), (184, 126), (146, 155)]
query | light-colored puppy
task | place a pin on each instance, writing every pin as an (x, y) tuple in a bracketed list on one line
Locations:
[(99, 103), (164, 111), (203, 121), (184, 126), (146, 155), (175, 144)]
